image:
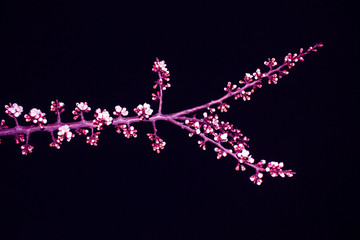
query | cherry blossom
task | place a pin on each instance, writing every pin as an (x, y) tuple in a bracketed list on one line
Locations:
[(80, 109), (64, 132), (26, 148), (57, 107), (13, 110), (93, 139), (102, 117), (120, 111), (143, 111), (158, 144), (37, 117), (128, 131)]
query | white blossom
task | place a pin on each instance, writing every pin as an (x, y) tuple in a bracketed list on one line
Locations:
[(14, 109), (120, 110), (35, 112), (37, 116), (245, 153), (224, 136), (83, 106), (64, 131), (147, 109), (143, 110), (103, 116)]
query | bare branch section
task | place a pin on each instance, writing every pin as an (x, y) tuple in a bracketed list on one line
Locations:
[(201, 120)]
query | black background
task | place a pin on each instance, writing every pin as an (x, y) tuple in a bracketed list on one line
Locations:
[(103, 53)]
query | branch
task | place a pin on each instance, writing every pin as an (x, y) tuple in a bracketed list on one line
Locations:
[(228, 140)]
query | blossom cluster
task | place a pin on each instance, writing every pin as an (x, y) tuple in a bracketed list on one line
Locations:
[(120, 111), (143, 111), (201, 121), (63, 133), (158, 144), (227, 139), (80, 109), (57, 107), (13, 110), (36, 116), (26, 148), (102, 117), (128, 131), (93, 139), (160, 68)]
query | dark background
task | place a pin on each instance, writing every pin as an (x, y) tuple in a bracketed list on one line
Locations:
[(103, 53)]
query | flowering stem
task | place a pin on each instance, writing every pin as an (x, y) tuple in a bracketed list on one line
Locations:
[(161, 94), (207, 139)]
